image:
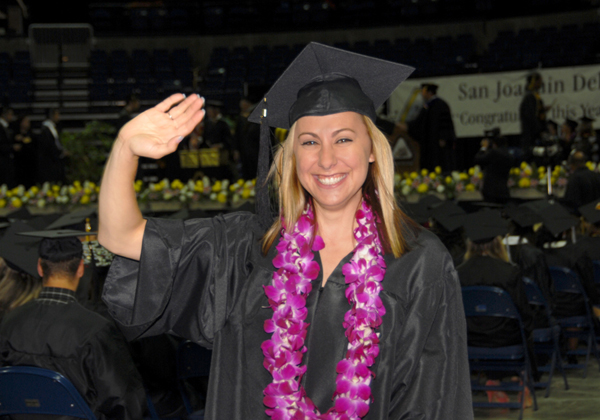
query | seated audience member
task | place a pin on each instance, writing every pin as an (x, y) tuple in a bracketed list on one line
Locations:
[(531, 260), (568, 133), (446, 221), (57, 333), (555, 240), (496, 162), (16, 288), (590, 243), (486, 264), (586, 141), (583, 185)]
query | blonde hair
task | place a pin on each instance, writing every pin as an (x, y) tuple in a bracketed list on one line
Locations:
[(16, 289), (494, 248), (378, 191)]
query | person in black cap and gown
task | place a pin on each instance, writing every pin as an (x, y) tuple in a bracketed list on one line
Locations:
[(205, 279), (583, 185), (94, 357), (532, 114), (496, 162), (486, 264), (568, 133), (434, 130)]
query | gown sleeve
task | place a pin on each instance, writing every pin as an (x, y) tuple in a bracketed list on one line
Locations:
[(186, 280), (434, 369)]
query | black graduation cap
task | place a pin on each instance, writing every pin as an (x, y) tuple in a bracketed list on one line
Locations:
[(485, 225), (58, 245), (430, 200), (74, 218), (492, 133), (20, 252), (20, 214), (41, 222), (591, 211), (449, 215), (586, 119), (523, 216), (557, 219), (571, 123), (419, 212), (322, 80), (537, 205)]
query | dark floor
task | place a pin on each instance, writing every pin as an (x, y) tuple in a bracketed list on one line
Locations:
[(580, 402)]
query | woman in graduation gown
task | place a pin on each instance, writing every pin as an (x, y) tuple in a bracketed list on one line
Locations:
[(356, 316)]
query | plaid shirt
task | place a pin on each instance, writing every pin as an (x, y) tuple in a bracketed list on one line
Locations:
[(56, 296)]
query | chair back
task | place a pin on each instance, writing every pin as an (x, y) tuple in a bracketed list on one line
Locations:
[(566, 281), (488, 301), (596, 271), (33, 390), (535, 296)]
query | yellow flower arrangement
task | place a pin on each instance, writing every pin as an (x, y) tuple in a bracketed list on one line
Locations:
[(524, 183), (470, 187), (438, 170)]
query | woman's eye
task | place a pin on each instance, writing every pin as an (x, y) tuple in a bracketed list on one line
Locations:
[(344, 140), (309, 143)]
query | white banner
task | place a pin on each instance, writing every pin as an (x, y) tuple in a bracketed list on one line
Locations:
[(483, 101)]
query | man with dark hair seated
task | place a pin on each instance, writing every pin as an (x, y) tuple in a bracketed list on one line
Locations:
[(55, 332)]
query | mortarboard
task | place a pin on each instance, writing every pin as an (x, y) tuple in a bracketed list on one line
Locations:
[(58, 245), (20, 214), (492, 133), (572, 124), (557, 219), (537, 205), (20, 252), (523, 216), (448, 215), (322, 80), (77, 217), (586, 119), (591, 211), (417, 211), (485, 225)]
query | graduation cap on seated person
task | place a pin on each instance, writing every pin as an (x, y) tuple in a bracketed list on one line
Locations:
[(20, 252), (523, 216), (322, 80), (484, 226), (421, 210), (492, 133), (76, 219), (591, 212), (571, 123), (557, 219), (448, 215)]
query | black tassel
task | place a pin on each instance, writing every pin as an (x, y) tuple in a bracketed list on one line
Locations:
[(263, 202)]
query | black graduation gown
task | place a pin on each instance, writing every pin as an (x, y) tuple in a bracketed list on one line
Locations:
[(583, 187), (532, 262), (203, 279), (496, 164), (490, 331), (86, 348), (574, 258), (434, 123), (533, 119)]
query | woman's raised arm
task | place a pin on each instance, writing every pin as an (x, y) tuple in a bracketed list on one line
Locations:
[(153, 134)]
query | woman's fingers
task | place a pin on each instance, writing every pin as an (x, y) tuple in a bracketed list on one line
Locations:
[(179, 109), (168, 103), (190, 122)]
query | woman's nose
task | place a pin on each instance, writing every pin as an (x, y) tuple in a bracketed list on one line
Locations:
[(327, 157)]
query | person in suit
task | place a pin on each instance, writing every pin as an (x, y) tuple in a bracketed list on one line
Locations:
[(7, 116), (51, 153), (496, 162), (434, 130)]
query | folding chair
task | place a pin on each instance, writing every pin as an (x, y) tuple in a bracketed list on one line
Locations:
[(32, 390), (193, 361), (545, 339), (487, 301), (581, 327)]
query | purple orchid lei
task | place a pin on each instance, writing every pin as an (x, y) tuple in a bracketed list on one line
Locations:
[(285, 397)]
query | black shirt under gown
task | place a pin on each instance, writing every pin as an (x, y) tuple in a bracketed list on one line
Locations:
[(203, 279)]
